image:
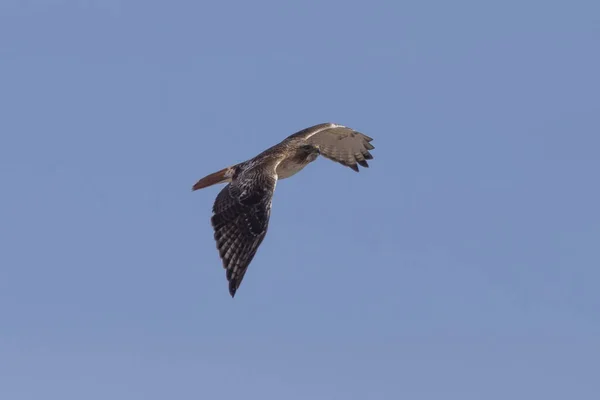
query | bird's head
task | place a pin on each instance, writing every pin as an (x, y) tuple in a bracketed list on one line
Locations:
[(310, 152)]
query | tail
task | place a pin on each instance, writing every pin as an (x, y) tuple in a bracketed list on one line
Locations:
[(221, 176)]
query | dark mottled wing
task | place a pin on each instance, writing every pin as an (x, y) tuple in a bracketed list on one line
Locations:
[(240, 219), (339, 143)]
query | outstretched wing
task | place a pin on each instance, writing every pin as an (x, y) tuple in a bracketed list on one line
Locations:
[(339, 143), (240, 219)]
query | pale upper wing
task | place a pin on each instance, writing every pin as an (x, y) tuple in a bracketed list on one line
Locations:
[(339, 143), (240, 219)]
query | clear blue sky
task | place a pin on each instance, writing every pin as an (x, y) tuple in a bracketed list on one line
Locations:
[(464, 264)]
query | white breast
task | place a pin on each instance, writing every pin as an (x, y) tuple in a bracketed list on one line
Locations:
[(288, 168)]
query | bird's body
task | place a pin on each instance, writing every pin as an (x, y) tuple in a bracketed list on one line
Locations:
[(242, 209), (291, 166)]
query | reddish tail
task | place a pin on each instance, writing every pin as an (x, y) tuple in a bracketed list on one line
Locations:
[(221, 176)]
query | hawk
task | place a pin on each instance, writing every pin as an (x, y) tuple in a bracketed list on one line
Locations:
[(242, 209)]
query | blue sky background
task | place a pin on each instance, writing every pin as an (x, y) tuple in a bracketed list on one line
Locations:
[(464, 264)]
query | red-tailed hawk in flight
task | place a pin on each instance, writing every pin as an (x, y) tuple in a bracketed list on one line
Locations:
[(242, 209)]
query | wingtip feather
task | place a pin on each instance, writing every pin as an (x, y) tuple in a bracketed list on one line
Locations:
[(232, 289)]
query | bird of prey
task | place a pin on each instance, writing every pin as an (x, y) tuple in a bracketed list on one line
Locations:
[(242, 209)]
